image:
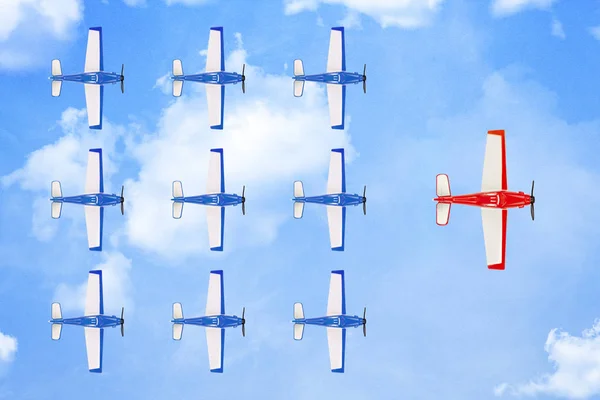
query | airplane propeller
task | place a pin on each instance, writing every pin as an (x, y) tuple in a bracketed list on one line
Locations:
[(365, 322), (365, 200), (532, 202), (122, 322), (122, 78), (122, 201), (243, 200), (243, 322), (243, 79), (365, 79)]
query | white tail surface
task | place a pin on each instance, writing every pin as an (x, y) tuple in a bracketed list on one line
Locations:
[(56, 330), (298, 68), (177, 88), (55, 190), (56, 86), (177, 189), (56, 69), (298, 88), (177, 68), (56, 209), (298, 189), (442, 211), (177, 331), (298, 209), (177, 209), (298, 331), (298, 311), (56, 312), (442, 185), (177, 311)]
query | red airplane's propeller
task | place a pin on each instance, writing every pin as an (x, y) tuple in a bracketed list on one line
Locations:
[(243, 322), (532, 202), (364, 321)]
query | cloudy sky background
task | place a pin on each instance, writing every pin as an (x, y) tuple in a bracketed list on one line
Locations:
[(440, 74)]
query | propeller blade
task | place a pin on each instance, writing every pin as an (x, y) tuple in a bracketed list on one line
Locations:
[(244, 330), (532, 207), (532, 185), (243, 70), (243, 78), (365, 200), (365, 322), (122, 78), (243, 312), (122, 312), (243, 191), (244, 200), (365, 79), (244, 87), (122, 322), (122, 330), (122, 201), (243, 322)]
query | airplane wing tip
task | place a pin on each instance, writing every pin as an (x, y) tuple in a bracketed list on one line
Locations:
[(220, 150), (338, 28), (98, 248), (499, 132), (217, 271), (338, 370), (219, 127), (96, 28), (217, 28), (220, 248), (340, 127), (217, 370), (341, 248), (96, 370), (498, 267), (97, 127)]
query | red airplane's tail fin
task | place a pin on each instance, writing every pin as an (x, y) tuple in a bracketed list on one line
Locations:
[(442, 211), (442, 189)]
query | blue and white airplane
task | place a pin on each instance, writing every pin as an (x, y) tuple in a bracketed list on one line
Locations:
[(94, 199), (215, 321), (214, 76), (336, 200), (336, 78), (336, 321), (93, 78), (94, 321), (216, 198)]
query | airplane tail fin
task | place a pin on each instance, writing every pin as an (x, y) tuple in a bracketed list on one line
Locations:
[(298, 331), (56, 311), (177, 194), (56, 327), (56, 330), (298, 85), (56, 209), (56, 71), (298, 88), (298, 194), (298, 209), (442, 185), (177, 84), (442, 189), (177, 331), (298, 189), (298, 311), (298, 68), (56, 191), (177, 327), (177, 311), (298, 315)]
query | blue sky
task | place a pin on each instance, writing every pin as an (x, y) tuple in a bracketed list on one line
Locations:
[(440, 74)]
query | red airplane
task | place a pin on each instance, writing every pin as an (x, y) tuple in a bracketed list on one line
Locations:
[(494, 200)]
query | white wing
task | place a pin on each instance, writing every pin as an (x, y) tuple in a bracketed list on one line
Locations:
[(336, 302), (336, 96), (94, 217), (93, 102), (215, 304), (336, 218), (93, 54), (336, 60), (214, 100), (215, 339), (494, 164), (93, 179), (336, 339), (93, 346), (215, 217), (94, 303), (216, 180), (336, 182), (494, 233), (214, 59)]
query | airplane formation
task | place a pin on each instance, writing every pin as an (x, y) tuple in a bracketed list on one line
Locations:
[(494, 199)]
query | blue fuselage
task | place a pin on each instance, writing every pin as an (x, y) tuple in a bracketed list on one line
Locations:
[(90, 321), (217, 199), (339, 78), (332, 321), (97, 199), (216, 78), (92, 78), (338, 199), (213, 321)]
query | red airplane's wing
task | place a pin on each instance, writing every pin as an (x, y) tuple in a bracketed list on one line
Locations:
[(494, 233), (494, 164)]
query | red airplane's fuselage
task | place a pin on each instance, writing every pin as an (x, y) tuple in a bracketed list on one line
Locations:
[(502, 199)]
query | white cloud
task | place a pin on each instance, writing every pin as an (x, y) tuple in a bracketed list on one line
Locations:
[(576, 362), (115, 281), (164, 84), (135, 3), (400, 13), (595, 32), (557, 29), (187, 2), (351, 20), (8, 347), (502, 8)]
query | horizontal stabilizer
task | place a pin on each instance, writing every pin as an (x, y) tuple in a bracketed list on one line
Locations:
[(177, 68), (298, 68), (442, 185), (298, 209), (56, 312), (177, 209), (298, 189), (56, 209), (442, 211), (177, 189), (298, 88), (56, 69), (177, 311), (177, 331), (56, 86), (177, 88), (298, 331), (56, 330), (55, 189), (298, 311)]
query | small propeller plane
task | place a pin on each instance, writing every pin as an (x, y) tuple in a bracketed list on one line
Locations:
[(336, 200), (94, 199), (94, 321), (215, 321), (93, 78), (494, 199), (214, 76), (336, 321), (336, 78), (216, 198)]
